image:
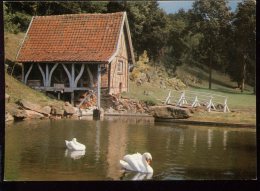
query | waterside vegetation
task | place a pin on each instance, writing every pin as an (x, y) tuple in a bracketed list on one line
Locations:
[(175, 51)]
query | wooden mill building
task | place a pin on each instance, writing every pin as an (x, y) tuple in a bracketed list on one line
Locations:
[(67, 55)]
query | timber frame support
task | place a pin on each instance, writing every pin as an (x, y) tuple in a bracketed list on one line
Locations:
[(47, 70)]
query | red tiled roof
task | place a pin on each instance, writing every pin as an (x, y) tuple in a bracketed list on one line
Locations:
[(75, 37)]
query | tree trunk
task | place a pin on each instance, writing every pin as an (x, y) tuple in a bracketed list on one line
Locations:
[(210, 69), (243, 76)]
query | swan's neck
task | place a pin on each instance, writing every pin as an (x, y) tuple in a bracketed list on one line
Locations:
[(147, 166), (145, 162)]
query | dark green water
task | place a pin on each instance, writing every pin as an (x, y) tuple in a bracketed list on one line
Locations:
[(35, 150)]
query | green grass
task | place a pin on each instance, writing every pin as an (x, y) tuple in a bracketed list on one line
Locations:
[(236, 100), (12, 45), (137, 92), (17, 90), (221, 85), (244, 104)]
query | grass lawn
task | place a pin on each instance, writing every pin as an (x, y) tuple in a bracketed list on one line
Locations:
[(17, 90), (241, 105)]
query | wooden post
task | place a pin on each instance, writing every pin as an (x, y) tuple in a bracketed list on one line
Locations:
[(98, 86), (27, 74), (23, 72), (226, 109), (51, 72), (97, 112), (167, 100), (72, 75), (72, 83), (72, 98), (47, 75), (79, 75)]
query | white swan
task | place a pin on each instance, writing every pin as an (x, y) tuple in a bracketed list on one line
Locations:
[(74, 145), (74, 154), (137, 162), (142, 176)]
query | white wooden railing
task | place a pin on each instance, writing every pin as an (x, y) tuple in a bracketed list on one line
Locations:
[(195, 99)]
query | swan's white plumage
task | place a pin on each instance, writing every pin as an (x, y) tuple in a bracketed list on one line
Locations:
[(74, 154), (137, 162), (74, 145)]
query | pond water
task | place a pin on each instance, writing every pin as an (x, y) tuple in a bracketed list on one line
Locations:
[(35, 150)]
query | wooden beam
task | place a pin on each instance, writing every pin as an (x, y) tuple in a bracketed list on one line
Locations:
[(51, 72), (72, 75), (23, 72), (68, 73), (47, 74), (90, 77), (43, 75), (27, 74), (98, 85), (51, 89), (79, 75), (72, 98)]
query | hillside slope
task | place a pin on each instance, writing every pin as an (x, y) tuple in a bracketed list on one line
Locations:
[(151, 90), (17, 90)]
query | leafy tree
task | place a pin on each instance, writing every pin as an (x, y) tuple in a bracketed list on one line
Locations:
[(212, 18), (244, 37), (148, 24)]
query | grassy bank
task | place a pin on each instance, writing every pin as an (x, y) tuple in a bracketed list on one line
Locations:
[(17, 90), (241, 105)]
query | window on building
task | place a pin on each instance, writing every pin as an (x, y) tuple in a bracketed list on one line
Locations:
[(120, 67)]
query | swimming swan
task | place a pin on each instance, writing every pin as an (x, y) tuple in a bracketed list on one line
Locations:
[(74, 145), (74, 154), (137, 162)]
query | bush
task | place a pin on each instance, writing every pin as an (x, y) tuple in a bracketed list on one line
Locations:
[(142, 66), (15, 22), (149, 102)]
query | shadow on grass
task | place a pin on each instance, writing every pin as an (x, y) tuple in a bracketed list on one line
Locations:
[(231, 91), (202, 74)]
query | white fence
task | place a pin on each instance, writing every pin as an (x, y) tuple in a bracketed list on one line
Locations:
[(194, 99)]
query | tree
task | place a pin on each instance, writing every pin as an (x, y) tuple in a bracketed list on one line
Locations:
[(148, 25), (212, 18), (244, 30)]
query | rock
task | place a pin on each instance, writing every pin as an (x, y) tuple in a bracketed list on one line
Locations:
[(139, 82), (68, 104), (56, 111), (219, 106), (7, 98), (45, 110), (59, 111), (8, 117), (19, 114), (69, 109), (170, 112), (110, 110), (29, 105), (33, 114)]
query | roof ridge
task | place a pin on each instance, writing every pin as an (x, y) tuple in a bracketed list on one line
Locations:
[(81, 14)]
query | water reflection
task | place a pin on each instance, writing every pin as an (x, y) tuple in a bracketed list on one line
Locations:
[(136, 176), (225, 134), (181, 140), (117, 141), (97, 146), (74, 154), (210, 135), (195, 139)]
